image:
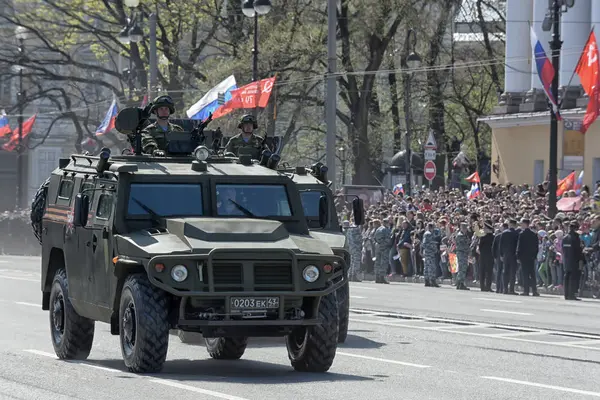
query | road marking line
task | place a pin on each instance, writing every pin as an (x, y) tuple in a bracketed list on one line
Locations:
[(28, 304), (195, 389), (88, 364), (466, 333), (385, 360), (357, 297), (504, 312), (497, 300), (42, 353), (362, 287), (515, 334), (591, 342), (540, 385), (16, 278)]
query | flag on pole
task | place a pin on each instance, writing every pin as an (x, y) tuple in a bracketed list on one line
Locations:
[(473, 178), (545, 70), (253, 95), (398, 189), (109, 119), (474, 192), (14, 138), (587, 69), (566, 184), (210, 101), (4, 125)]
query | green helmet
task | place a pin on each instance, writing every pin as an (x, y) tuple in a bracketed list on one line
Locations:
[(248, 118), (163, 101)]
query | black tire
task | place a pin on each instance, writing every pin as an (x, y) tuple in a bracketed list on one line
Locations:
[(72, 335), (38, 206), (143, 327), (190, 337), (226, 348), (343, 301), (312, 349)]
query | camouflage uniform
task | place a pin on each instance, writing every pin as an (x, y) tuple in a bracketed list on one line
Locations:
[(251, 146), (463, 245), (430, 249), (383, 241), (154, 137), (354, 242)]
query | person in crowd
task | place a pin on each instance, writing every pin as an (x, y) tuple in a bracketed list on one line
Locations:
[(527, 251)]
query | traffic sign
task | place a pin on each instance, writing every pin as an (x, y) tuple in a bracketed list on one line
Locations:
[(430, 144), (430, 170), (429, 154)]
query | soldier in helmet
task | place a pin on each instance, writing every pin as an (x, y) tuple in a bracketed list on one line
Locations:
[(251, 143), (155, 136)]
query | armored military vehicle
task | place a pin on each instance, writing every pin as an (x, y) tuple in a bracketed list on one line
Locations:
[(198, 242)]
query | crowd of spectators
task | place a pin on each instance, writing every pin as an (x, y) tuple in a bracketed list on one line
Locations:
[(495, 210)]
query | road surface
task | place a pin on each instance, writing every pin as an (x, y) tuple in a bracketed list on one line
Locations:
[(386, 356)]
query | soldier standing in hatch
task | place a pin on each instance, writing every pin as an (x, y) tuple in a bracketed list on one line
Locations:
[(155, 137), (246, 139), (354, 241), (429, 249), (383, 241), (463, 246)]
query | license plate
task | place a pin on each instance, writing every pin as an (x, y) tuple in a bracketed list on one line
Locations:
[(254, 303)]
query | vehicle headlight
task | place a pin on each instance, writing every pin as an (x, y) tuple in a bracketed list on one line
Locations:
[(201, 153), (179, 273), (310, 274)]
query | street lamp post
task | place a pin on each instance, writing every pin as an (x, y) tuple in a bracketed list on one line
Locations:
[(411, 61), (552, 20), (252, 9), (21, 35), (342, 151)]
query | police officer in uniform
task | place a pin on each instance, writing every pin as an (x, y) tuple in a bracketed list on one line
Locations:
[(429, 250), (572, 255), (155, 137), (251, 143)]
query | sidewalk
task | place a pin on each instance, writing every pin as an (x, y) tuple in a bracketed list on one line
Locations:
[(469, 283)]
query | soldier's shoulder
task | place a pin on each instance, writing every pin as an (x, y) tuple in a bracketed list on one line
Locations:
[(149, 127), (176, 127)]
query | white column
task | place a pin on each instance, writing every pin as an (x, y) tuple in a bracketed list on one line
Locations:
[(595, 15), (517, 77), (574, 31), (539, 12)]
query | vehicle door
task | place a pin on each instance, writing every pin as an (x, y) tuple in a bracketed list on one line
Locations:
[(101, 243), (84, 238), (310, 203)]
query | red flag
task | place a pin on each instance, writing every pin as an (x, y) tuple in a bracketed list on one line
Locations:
[(14, 139), (252, 95), (587, 69), (565, 184), (473, 178)]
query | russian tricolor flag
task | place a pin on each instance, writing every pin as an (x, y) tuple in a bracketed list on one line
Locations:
[(109, 120), (474, 192), (210, 101), (545, 70), (398, 189), (4, 125)]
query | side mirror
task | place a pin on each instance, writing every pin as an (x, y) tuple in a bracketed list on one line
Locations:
[(323, 211), (359, 211), (81, 209)]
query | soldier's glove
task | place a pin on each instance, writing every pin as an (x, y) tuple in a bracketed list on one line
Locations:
[(158, 153)]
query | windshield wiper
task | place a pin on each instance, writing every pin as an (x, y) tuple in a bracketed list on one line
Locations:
[(154, 216), (243, 209)]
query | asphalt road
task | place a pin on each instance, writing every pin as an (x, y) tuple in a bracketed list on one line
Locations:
[(386, 356)]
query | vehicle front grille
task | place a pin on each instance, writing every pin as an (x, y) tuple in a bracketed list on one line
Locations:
[(280, 274), (228, 274)]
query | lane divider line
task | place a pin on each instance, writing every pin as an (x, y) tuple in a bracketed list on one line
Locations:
[(385, 360), (543, 386)]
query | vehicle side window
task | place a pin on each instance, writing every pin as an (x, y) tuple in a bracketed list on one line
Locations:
[(87, 188), (66, 189), (104, 206)]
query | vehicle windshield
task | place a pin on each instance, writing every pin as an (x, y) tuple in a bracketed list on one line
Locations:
[(165, 199), (253, 200), (310, 203)]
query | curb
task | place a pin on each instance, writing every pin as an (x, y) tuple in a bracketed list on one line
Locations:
[(470, 284)]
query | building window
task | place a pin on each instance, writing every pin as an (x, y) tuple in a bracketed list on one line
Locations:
[(539, 176)]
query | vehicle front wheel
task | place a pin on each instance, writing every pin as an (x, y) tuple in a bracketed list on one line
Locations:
[(312, 348), (343, 301), (72, 334), (144, 327), (226, 348)]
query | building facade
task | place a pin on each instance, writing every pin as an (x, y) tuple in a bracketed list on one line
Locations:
[(521, 121)]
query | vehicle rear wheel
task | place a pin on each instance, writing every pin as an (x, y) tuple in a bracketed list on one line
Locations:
[(343, 301), (144, 327), (72, 335), (226, 348), (190, 337), (312, 348)]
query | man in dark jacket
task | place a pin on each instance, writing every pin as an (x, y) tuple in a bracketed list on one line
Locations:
[(486, 258), (498, 259), (508, 252), (527, 250), (572, 255)]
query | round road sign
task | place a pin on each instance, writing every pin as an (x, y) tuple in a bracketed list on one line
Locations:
[(430, 170)]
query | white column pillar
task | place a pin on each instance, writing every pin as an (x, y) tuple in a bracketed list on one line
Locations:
[(517, 76), (574, 31), (595, 18), (539, 12)]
